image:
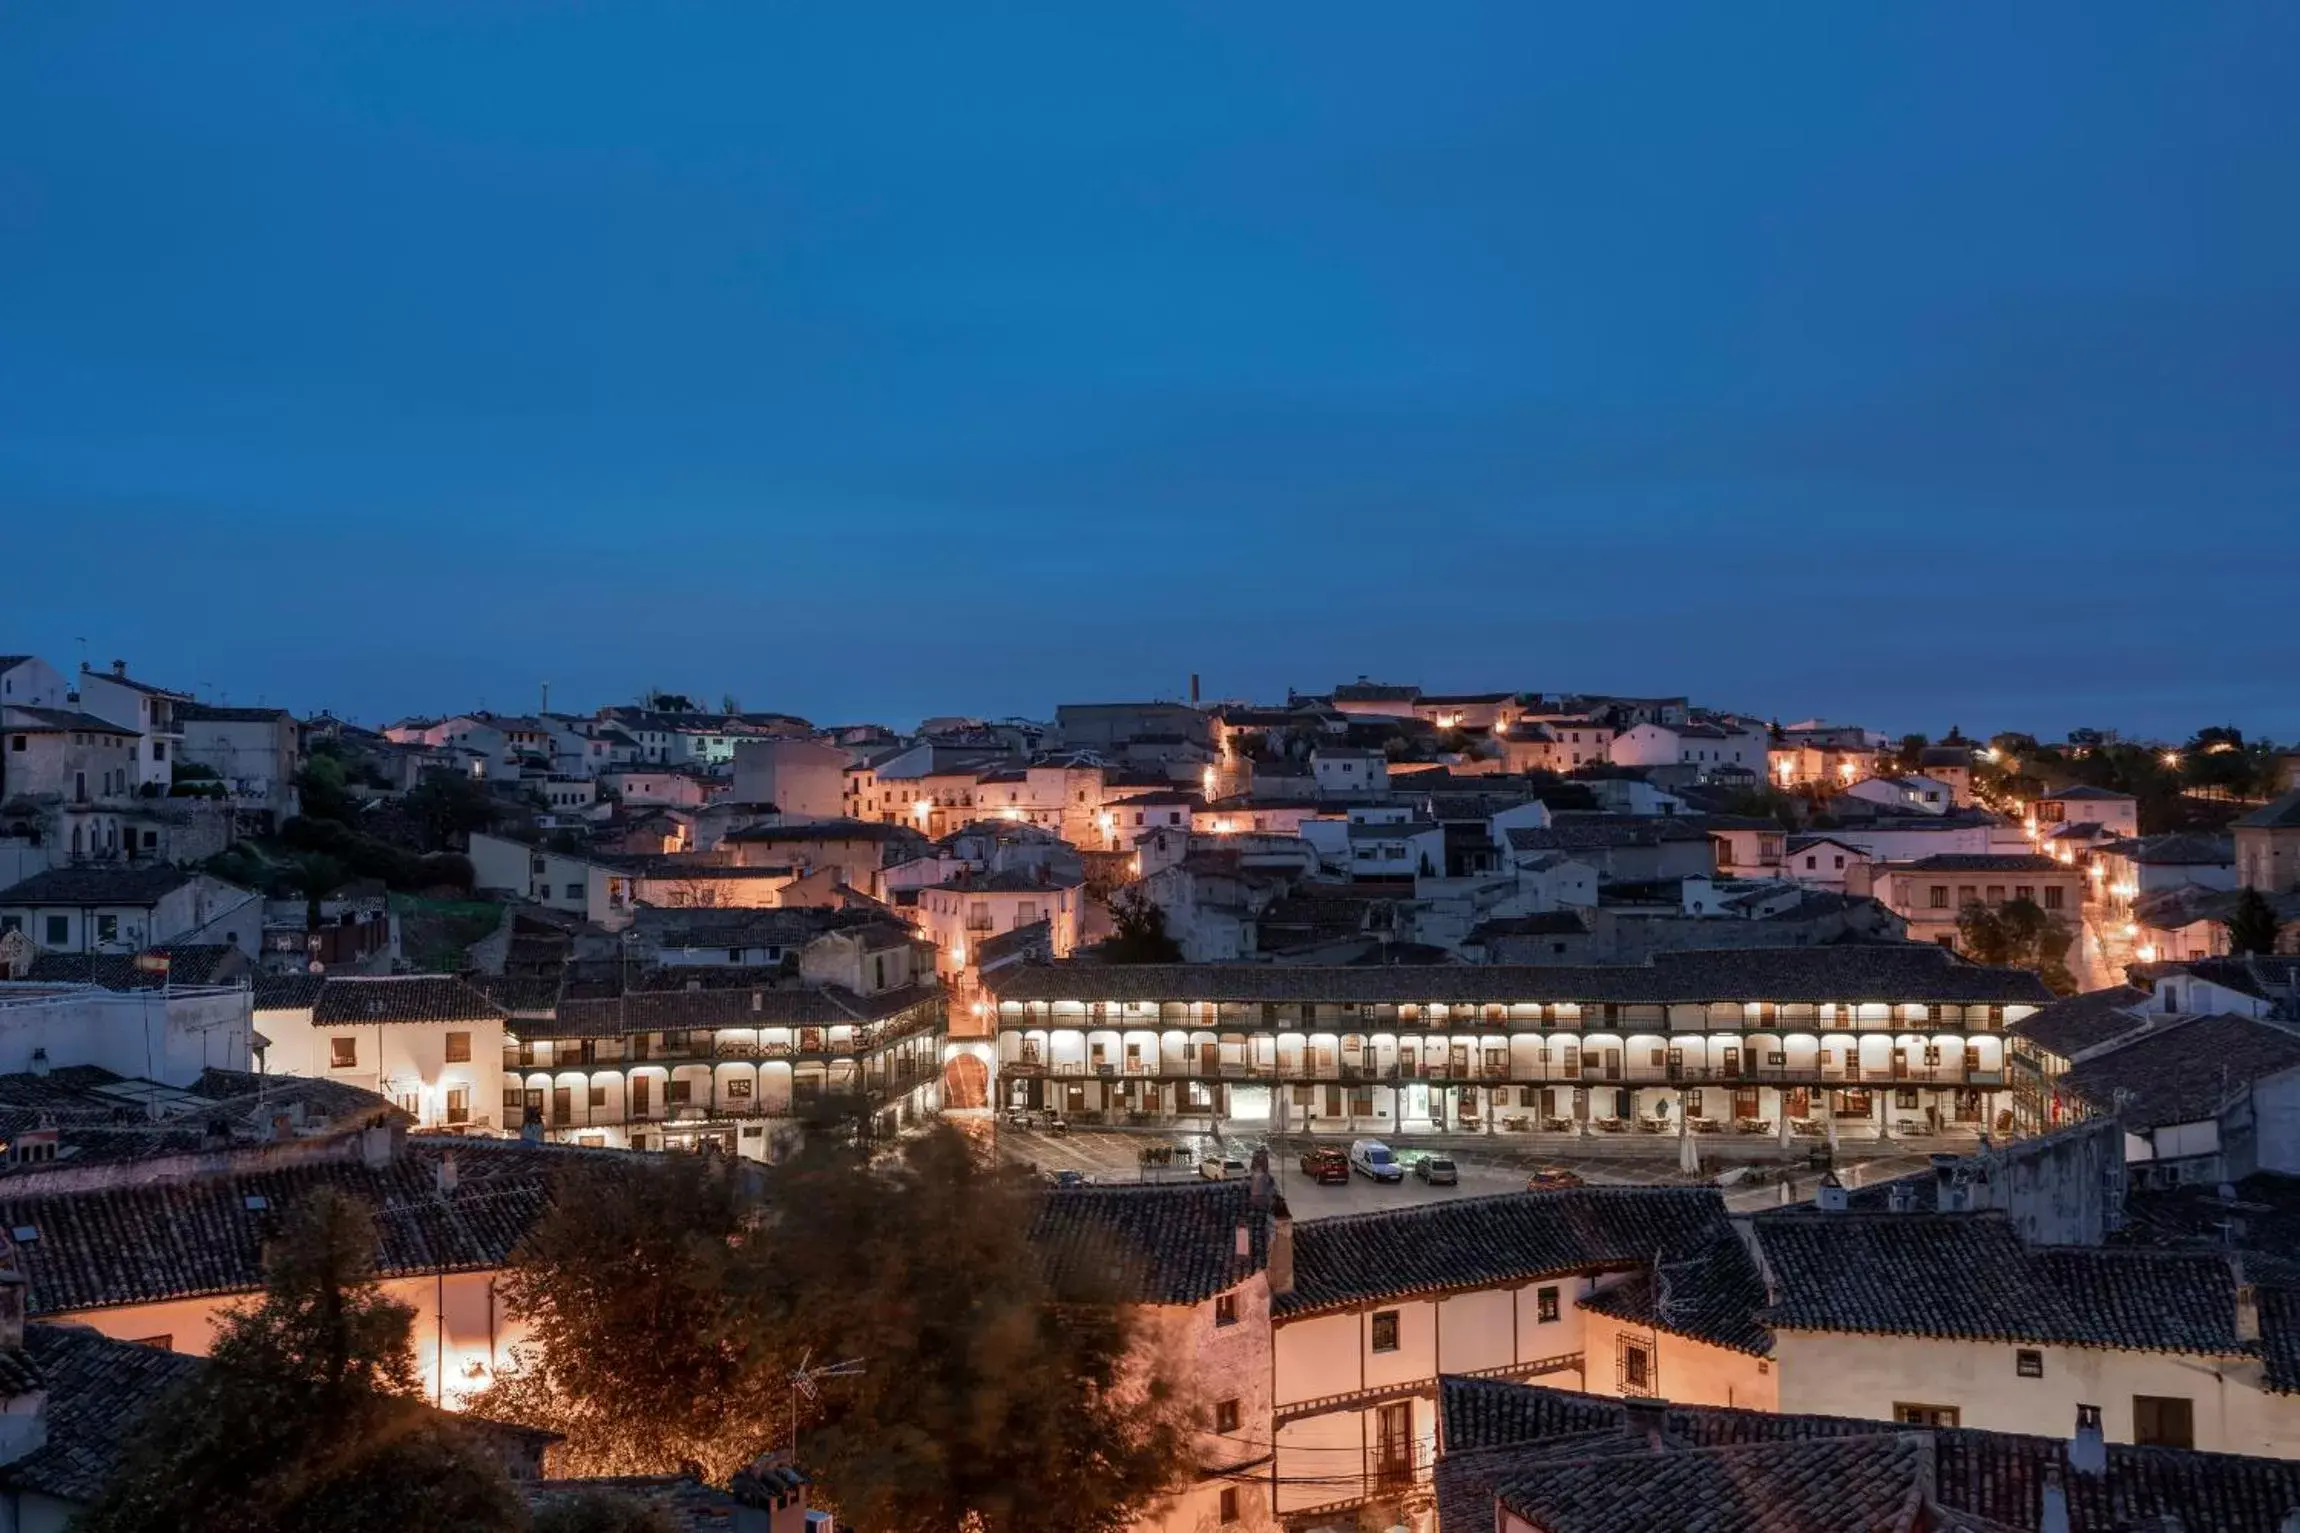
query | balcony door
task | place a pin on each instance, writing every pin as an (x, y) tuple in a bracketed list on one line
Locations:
[(1394, 1445)]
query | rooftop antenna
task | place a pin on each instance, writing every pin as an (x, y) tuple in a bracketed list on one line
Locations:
[(803, 1380), (547, 697)]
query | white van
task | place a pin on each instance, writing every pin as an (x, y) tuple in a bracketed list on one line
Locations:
[(1373, 1158)]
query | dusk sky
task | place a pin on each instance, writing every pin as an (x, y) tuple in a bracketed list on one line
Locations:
[(1911, 364)]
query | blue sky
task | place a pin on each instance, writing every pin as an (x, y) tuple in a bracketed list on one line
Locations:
[(1922, 365)]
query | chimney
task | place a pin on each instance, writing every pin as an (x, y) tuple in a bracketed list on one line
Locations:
[(2247, 1302), (447, 1173), (2053, 1516), (1900, 1197), (2088, 1450), (1829, 1197), (1947, 1196), (40, 1062), (1646, 1420), (1281, 1265), (120, 668), (1262, 1188), (375, 1147)]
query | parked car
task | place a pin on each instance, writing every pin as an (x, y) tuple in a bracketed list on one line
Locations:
[(1373, 1158), (1221, 1168), (1438, 1171), (1552, 1178), (1325, 1163), (1069, 1179)]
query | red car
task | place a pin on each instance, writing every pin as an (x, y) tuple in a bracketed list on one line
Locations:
[(1551, 1179), (1324, 1163)]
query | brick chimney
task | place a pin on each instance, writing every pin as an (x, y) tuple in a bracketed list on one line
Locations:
[(1281, 1263), (2088, 1450)]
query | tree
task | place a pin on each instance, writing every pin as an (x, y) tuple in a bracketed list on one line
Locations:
[(668, 1311), (641, 1353), (321, 793), (2020, 934), (999, 1388), (670, 702), (315, 876), (306, 1414), (1139, 932), (2252, 925), (447, 807)]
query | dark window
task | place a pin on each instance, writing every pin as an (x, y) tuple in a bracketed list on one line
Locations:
[(2028, 1363), (2163, 1421), (343, 1053), (1924, 1415), (681, 1093), (2052, 897), (1545, 1305), (1636, 1367), (1229, 1503), (458, 1048), (1385, 1331), (1226, 1309), (59, 930), (598, 1095), (574, 891), (1225, 1415), (1938, 897)]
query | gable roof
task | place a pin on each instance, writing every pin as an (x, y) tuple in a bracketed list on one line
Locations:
[(2079, 1022), (2086, 791), (1876, 1483), (191, 963), (2185, 1072), (98, 1392), (140, 1244), (97, 885), (1495, 1432), (2280, 814), (1165, 1245), (1484, 1242), (1962, 1276), (400, 998), (22, 719), (205, 713)]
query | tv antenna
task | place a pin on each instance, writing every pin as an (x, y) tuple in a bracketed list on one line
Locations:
[(803, 1381)]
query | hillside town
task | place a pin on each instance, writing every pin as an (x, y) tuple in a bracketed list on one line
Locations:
[(1521, 1110)]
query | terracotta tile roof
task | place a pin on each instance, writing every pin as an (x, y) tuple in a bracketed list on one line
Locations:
[(98, 1391), (1904, 972), (1712, 1295), (187, 1239), (203, 713), (1879, 1483), (1968, 1277), (2088, 792), (1483, 1242), (2282, 814), (2185, 1072), (1501, 1435), (288, 992), (400, 998), (1983, 862), (56, 721), (2082, 1021), (2182, 849), (146, 885), (1166, 1245), (826, 830), (645, 1011), (200, 963)]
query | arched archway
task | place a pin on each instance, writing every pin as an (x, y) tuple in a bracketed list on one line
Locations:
[(965, 1082)]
